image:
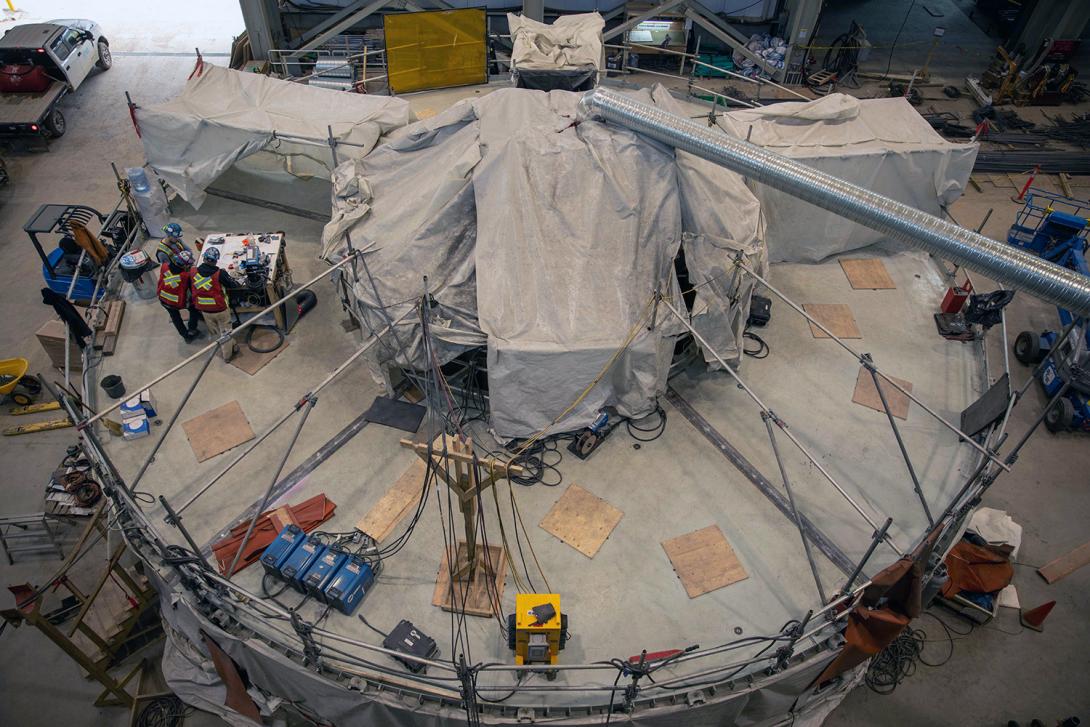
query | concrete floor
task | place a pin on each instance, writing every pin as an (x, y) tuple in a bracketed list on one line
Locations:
[(1043, 675)]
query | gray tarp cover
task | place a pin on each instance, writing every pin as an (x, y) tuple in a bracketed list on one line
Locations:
[(223, 116), (546, 239), (883, 145)]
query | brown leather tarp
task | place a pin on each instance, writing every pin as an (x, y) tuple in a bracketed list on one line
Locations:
[(309, 514), (238, 698), (979, 568), (888, 604)]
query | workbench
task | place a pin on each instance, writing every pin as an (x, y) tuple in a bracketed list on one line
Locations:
[(234, 247)]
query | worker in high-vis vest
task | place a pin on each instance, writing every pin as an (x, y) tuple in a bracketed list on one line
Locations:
[(209, 287), (174, 293), (172, 244)]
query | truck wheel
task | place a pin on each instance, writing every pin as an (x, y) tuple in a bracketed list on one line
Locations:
[(56, 124), (1060, 417), (1027, 348), (105, 60)]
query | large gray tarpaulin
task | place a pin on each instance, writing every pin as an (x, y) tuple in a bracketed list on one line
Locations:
[(545, 239), (224, 116), (787, 697), (880, 144)]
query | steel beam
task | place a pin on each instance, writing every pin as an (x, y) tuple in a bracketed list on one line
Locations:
[(647, 15), (727, 34)]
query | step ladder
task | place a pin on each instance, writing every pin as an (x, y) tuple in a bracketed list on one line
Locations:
[(31, 533)]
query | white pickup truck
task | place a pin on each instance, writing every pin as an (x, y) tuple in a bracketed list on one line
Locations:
[(39, 63)]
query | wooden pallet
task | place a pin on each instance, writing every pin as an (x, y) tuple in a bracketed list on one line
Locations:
[(479, 596)]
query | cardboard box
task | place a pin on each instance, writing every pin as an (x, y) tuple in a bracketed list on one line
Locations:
[(141, 405), (51, 336), (131, 409), (135, 428), (148, 403)]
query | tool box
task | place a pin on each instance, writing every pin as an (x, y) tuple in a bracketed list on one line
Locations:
[(407, 639)]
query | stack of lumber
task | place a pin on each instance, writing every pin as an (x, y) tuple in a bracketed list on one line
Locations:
[(308, 515), (106, 323)]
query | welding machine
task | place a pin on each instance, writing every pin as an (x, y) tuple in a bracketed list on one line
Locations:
[(349, 584), (298, 563), (280, 549), (321, 571), (537, 631)]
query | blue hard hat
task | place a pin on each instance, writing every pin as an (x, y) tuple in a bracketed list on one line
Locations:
[(173, 229), (183, 258), (211, 254)]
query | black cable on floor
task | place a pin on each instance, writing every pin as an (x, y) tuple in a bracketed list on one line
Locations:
[(655, 432), (892, 48), (762, 349)]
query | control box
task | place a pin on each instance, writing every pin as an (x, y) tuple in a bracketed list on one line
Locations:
[(407, 639), (349, 584), (297, 564), (278, 550), (321, 571)]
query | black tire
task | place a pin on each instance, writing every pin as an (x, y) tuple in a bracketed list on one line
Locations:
[(511, 631), (22, 399), (1060, 417), (1027, 348), (105, 59), (55, 124), (31, 384)]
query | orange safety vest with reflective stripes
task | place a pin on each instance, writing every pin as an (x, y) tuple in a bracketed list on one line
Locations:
[(172, 286), (208, 294)]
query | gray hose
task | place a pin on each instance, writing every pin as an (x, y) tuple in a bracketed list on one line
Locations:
[(1010, 266)]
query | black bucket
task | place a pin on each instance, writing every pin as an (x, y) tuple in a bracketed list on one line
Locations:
[(113, 386)]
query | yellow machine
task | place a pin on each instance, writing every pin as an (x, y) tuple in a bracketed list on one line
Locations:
[(537, 631)]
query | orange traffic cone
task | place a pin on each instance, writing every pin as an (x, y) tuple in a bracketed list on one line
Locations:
[(1035, 617)]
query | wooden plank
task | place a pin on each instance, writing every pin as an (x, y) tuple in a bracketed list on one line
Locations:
[(115, 313), (1066, 564), (581, 520), (866, 395), (704, 561), (282, 517), (250, 361), (44, 426), (867, 274), (487, 463), (217, 431), (381, 519), (481, 596), (837, 317)]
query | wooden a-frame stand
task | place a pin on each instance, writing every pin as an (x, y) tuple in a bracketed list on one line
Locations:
[(475, 582)]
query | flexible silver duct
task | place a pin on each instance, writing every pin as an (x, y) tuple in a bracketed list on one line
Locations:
[(1010, 266)]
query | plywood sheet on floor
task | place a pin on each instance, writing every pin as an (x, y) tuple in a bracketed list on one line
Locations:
[(481, 595), (1066, 564), (704, 561), (217, 431), (581, 520), (867, 274), (866, 395), (250, 361), (837, 317), (381, 519)]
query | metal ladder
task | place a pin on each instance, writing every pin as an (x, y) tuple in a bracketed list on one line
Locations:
[(29, 532)]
